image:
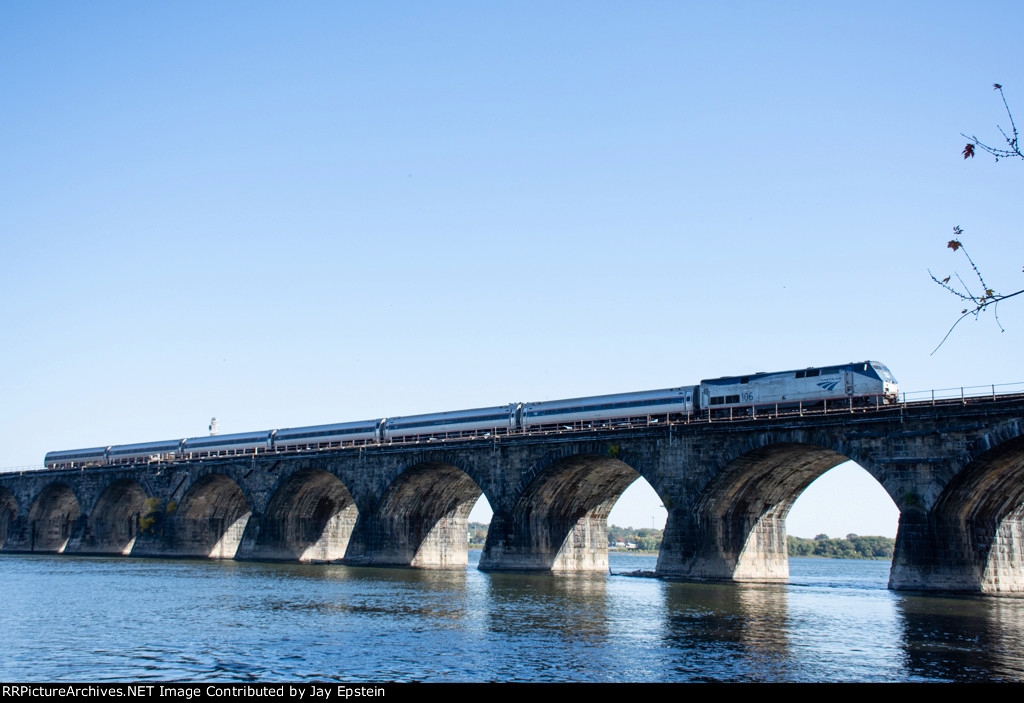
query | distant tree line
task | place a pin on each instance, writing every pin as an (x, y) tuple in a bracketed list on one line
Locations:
[(646, 539), (649, 540), (852, 547)]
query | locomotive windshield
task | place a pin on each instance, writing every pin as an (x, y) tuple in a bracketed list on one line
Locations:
[(884, 372)]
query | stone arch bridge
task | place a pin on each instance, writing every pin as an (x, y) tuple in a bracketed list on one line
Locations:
[(954, 470)]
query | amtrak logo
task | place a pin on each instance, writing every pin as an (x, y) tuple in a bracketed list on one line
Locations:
[(829, 385)]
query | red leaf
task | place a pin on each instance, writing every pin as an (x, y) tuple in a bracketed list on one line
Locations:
[(969, 151), (954, 244)]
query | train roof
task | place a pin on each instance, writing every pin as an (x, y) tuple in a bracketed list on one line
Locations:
[(64, 453), (226, 438), (360, 424), (660, 393), (456, 414), (723, 380), (143, 446)]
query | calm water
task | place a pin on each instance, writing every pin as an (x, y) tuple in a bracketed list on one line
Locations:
[(93, 619)]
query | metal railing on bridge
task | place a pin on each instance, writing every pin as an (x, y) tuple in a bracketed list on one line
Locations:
[(943, 395), (938, 396)]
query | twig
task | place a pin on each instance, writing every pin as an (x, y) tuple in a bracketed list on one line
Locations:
[(978, 303), (1013, 143)]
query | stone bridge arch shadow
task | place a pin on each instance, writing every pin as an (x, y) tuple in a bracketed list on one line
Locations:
[(734, 528), (560, 520), (973, 537), (211, 519), (113, 524), (422, 519), (8, 514), (52, 519), (310, 518)]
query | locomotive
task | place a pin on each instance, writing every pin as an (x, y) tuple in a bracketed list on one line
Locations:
[(865, 383)]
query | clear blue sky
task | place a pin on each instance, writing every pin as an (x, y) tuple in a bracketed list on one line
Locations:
[(283, 215)]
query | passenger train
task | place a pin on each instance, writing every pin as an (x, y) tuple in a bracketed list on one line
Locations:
[(866, 383)]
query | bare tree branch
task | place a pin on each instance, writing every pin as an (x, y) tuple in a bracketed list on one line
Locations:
[(1012, 142), (976, 303), (988, 298)]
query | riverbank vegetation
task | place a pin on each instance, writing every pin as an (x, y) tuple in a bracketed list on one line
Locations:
[(649, 540), (851, 547)]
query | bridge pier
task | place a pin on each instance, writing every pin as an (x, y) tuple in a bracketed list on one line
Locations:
[(546, 543), (310, 518), (942, 553), (559, 521), (742, 549), (421, 521)]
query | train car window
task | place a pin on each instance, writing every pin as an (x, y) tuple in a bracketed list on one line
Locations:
[(745, 379), (732, 399), (813, 372), (717, 400), (801, 374)]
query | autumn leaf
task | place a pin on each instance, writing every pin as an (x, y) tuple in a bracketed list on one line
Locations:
[(996, 86), (954, 244), (946, 279), (969, 151)]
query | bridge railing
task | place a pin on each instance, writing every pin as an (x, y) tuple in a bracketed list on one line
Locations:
[(21, 469), (938, 395)]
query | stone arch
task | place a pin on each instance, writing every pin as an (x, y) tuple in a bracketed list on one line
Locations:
[(422, 519), (735, 529), (211, 519), (560, 520), (8, 514), (114, 523), (309, 518), (980, 517), (52, 518)]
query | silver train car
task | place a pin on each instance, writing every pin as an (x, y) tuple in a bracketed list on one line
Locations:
[(227, 444), (76, 458), (501, 419), (849, 385), (144, 452), (621, 407), (863, 383), (326, 436)]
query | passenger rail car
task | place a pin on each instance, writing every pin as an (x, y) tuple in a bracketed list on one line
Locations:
[(327, 436), (497, 420), (621, 408), (865, 383), (145, 451), (76, 458), (227, 444)]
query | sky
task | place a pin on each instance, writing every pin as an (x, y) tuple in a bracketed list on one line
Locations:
[(284, 215)]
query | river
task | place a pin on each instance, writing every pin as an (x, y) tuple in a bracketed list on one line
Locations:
[(68, 618)]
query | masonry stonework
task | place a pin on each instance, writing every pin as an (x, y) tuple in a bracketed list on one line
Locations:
[(956, 473)]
